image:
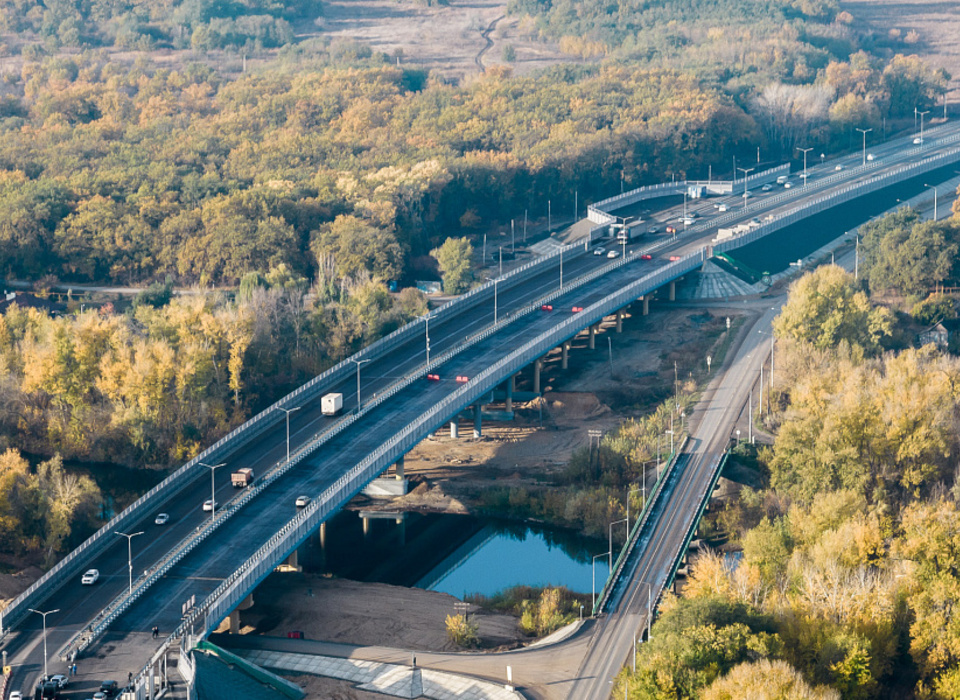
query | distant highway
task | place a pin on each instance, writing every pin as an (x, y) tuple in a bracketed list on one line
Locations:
[(216, 558)]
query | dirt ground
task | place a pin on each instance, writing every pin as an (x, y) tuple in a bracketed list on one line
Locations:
[(595, 393), (937, 24), (12, 585), (458, 40), (337, 610)]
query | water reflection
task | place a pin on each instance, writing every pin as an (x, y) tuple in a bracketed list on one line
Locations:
[(456, 554)]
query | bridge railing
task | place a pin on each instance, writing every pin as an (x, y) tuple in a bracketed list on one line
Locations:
[(74, 562), (614, 575), (225, 597), (840, 196)]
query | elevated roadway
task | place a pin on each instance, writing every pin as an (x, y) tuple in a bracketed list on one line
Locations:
[(477, 334)]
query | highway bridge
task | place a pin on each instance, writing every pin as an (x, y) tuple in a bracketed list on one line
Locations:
[(192, 573)]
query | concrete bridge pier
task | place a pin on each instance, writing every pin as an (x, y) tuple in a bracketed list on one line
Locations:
[(366, 525), (565, 355), (646, 304), (401, 530), (477, 431), (537, 368), (322, 538), (593, 336), (673, 291), (399, 469), (454, 428), (619, 320), (511, 385), (235, 616)]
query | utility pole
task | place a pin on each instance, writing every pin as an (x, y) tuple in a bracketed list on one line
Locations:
[(804, 151)]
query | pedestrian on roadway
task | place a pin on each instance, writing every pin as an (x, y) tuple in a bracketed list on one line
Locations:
[(129, 677), (74, 669), (156, 631)]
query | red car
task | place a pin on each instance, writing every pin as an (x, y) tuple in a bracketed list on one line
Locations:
[(674, 258), (462, 379), (646, 256), (577, 309), (546, 307), (433, 377)]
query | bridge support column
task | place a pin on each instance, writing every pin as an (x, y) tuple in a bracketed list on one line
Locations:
[(401, 530), (477, 432), (291, 561), (593, 336), (454, 429), (235, 622), (646, 304), (511, 383), (565, 355), (619, 320), (366, 526), (399, 467), (537, 367), (673, 291), (322, 536)]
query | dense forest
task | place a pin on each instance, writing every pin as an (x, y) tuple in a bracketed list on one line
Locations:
[(848, 575), (131, 173)]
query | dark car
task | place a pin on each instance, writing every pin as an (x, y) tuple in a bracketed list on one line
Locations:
[(109, 688), (50, 689)]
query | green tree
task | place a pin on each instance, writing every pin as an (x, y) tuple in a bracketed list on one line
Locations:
[(352, 244), (825, 307), (454, 259)]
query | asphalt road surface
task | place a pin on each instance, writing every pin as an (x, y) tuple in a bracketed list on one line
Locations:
[(128, 646)]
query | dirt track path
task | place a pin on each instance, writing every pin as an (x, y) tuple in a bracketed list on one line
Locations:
[(489, 43)]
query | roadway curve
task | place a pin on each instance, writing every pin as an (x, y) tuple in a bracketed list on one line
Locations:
[(218, 557)]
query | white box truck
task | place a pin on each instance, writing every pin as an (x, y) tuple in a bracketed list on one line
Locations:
[(331, 404)]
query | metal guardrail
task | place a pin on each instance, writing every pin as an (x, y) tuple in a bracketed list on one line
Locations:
[(224, 598), (71, 565), (122, 602), (843, 195), (614, 575), (704, 501)]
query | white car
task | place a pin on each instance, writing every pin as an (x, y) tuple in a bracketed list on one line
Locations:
[(209, 505), (767, 187), (722, 207), (917, 141), (162, 519), (653, 229), (838, 167), (61, 680), (787, 185), (16, 695), (303, 501), (613, 254), (599, 251), (870, 156), (90, 577)]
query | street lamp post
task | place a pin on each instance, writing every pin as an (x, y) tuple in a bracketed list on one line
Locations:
[(610, 540), (934, 200), (864, 132), (594, 590), (427, 322), (495, 282), (804, 151), (358, 363), (213, 491), (745, 171), (44, 616), (288, 411), (129, 556), (921, 125)]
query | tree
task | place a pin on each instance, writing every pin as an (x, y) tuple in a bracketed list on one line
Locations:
[(766, 680), (825, 308), (354, 245), (454, 259), (462, 631)]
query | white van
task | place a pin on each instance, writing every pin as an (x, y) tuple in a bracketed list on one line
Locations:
[(782, 179)]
